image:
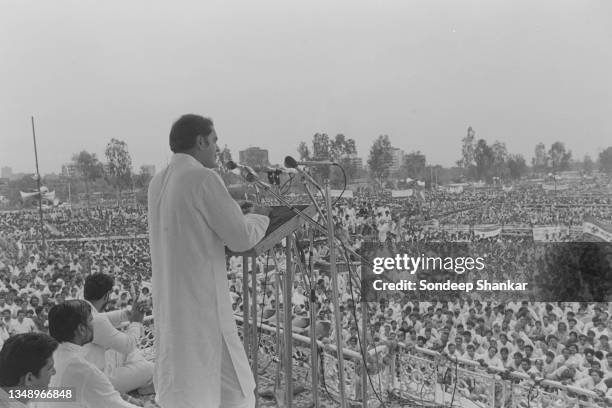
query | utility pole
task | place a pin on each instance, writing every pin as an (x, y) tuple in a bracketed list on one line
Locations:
[(40, 213)]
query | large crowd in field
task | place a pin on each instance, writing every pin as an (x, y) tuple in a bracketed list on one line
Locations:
[(568, 342)]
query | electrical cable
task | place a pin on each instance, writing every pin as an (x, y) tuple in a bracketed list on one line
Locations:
[(290, 181), (361, 345), (416, 403), (263, 299)]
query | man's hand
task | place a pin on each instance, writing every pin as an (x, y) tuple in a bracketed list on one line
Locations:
[(137, 313), (246, 207), (261, 210)]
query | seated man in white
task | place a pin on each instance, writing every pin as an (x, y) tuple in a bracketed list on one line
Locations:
[(71, 324), (126, 368)]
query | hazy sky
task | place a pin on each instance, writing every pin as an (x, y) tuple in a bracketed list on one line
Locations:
[(273, 73)]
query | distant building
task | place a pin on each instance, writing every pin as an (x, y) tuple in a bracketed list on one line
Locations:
[(356, 162), (149, 168), (254, 157), (397, 157), (7, 172), (69, 170)]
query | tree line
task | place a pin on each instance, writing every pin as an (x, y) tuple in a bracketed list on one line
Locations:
[(117, 171), (479, 161)]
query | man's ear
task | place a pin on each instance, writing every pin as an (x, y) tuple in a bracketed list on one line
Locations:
[(28, 379), (205, 141)]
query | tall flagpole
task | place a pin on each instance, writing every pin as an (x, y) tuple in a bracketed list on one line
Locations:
[(40, 213)]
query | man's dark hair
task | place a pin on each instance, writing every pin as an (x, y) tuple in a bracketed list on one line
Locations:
[(22, 354), (66, 317), (97, 285), (185, 131)]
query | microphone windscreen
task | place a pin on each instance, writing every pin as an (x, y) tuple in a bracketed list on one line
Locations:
[(231, 165), (290, 162)]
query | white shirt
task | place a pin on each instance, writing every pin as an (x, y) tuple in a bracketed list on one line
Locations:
[(27, 326), (91, 387), (6, 402), (106, 336), (492, 361), (191, 218)]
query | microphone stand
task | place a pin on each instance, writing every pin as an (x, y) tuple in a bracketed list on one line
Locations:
[(313, 199), (335, 293), (267, 188), (257, 195), (329, 231), (333, 272), (314, 348)]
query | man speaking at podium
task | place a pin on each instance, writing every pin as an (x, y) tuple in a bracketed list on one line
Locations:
[(200, 361)]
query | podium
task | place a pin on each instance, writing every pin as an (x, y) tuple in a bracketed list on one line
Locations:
[(284, 222)]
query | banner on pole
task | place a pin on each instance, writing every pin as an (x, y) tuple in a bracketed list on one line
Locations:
[(46, 195)]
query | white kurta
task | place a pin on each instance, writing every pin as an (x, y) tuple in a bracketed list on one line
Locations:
[(191, 218)]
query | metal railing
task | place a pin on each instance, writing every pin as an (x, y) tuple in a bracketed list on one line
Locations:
[(400, 375)]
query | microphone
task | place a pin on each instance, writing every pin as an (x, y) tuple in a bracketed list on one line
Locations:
[(268, 169), (247, 172), (273, 174), (291, 163)]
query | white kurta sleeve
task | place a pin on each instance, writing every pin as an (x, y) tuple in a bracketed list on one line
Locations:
[(99, 392), (107, 336), (116, 317), (223, 214)]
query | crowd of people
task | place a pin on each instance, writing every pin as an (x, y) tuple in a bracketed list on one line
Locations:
[(76, 222), (564, 342)]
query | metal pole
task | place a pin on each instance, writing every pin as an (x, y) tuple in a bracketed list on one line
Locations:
[(254, 334), (245, 304), (314, 200), (277, 283), (364, 349), (40, 213), (314, 360), (335, 293), (287, 326)]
